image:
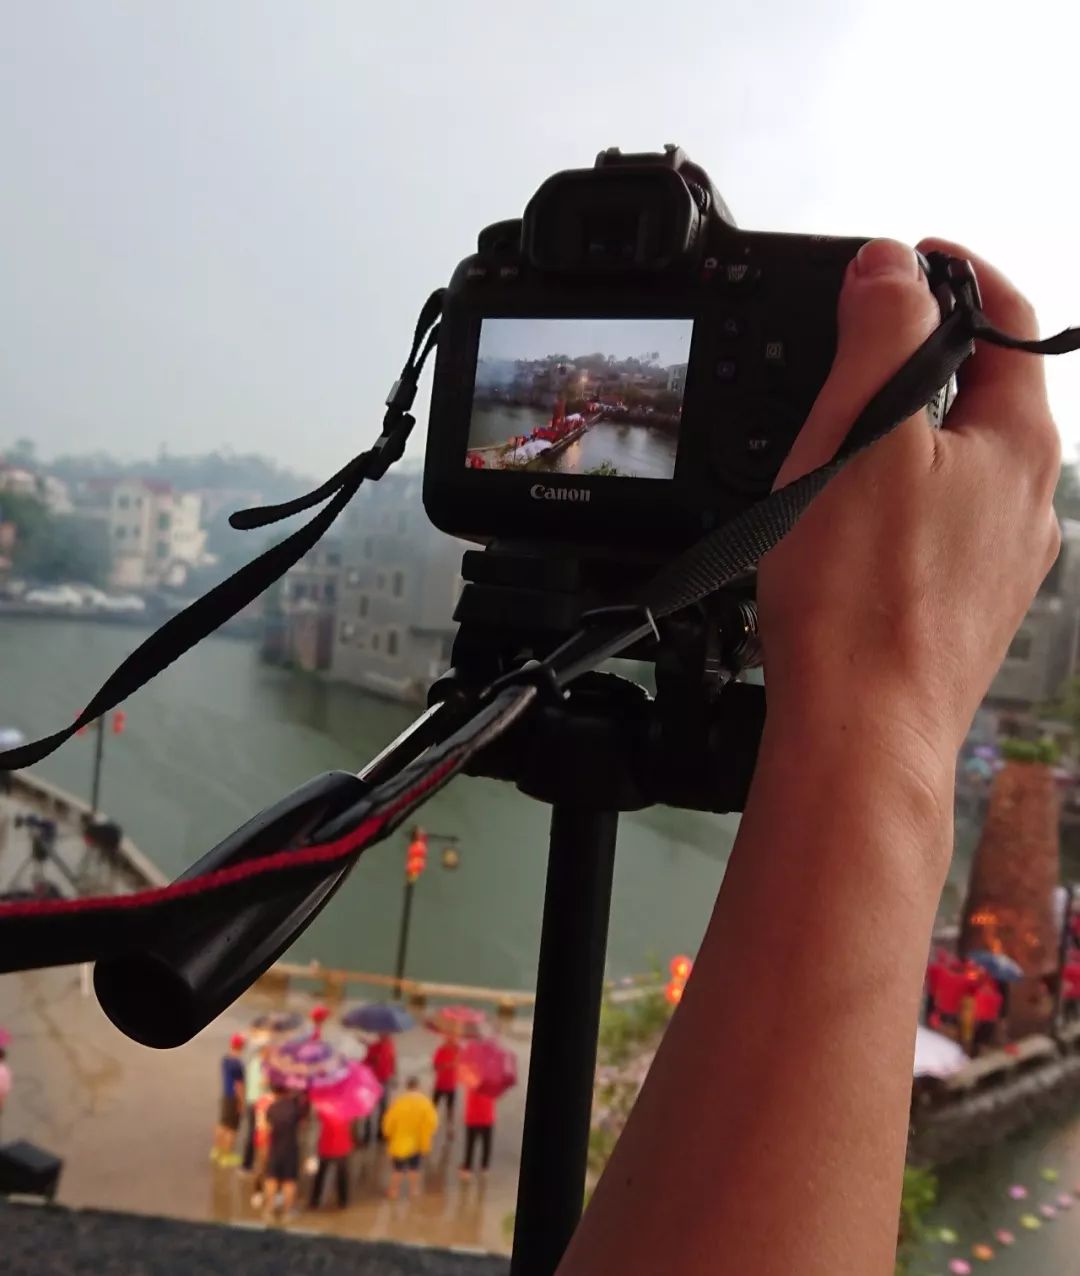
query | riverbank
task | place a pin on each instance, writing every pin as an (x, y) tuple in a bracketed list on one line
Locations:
[(247, 628)]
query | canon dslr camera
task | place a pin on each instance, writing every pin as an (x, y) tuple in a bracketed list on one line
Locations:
[(622, 366)]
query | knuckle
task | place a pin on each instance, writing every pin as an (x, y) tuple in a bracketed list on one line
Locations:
[(1045, 448)]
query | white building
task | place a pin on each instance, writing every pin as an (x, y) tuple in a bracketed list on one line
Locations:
[(154, 532), (676, 377)]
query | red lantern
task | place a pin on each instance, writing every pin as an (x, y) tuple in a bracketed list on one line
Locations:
[(119, 722), (674, 991), (680, 968), (416, 858)]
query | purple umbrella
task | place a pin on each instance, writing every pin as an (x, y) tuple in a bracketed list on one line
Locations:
[(306, 1062), (331, 1081)]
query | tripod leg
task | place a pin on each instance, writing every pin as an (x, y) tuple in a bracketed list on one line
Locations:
[(569, 987)]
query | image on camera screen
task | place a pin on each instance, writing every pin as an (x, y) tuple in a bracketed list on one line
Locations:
[(579, 396)]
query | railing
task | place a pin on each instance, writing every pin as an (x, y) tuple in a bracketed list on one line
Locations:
[(334, 986), (129, 866)]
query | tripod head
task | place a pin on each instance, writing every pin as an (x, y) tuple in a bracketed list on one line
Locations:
[(609, 744)]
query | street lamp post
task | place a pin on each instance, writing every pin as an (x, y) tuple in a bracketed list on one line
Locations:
[(119, 722), (415, 863)]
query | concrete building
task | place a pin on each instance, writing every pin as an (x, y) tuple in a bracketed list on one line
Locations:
[(676, 377), (154, 532), (1046, 650), (299, 631), (400, 581)]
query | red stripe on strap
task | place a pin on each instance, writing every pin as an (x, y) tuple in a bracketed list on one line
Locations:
[(325, 852)]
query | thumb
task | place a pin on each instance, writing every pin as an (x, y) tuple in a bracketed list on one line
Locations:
[(885, 312)]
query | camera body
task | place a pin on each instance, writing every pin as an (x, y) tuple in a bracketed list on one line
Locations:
[(624, 368), (37, 824)]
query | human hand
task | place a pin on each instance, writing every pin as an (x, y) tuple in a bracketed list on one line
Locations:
[(895, 597)]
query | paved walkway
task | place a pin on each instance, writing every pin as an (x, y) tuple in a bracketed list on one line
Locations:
[(134, 1125)]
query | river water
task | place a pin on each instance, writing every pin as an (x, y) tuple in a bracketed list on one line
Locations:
[(218, 736), (635, 451)]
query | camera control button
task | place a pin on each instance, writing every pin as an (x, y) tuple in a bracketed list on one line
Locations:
[(775, 356), (726, 370), (749, 449), (737, 276), (732, 327)]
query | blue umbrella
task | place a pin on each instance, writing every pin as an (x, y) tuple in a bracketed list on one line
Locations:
[(379, 1018), (281, 1021), (1002, 968)]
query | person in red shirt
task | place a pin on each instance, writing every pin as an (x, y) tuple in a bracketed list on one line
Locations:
[(937, 964), (949, 989), (988, 1002), (1071, 976), (445, 1063), (335, 1148), (479, 1124), (381, 1058)]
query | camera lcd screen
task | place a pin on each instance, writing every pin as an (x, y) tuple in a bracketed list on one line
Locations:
[(579, 396)]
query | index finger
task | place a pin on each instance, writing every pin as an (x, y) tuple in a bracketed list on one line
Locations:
[(996, 384)]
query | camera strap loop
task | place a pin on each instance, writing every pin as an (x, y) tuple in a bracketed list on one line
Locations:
[(201, 618), (734, 549)]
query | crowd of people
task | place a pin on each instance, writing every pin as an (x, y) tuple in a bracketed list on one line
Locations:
[(277, 1124), (963, 999)]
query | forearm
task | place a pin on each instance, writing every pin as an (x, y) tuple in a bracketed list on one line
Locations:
[(770, 1134)]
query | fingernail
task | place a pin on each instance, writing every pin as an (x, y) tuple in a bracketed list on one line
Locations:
[(886, 257)]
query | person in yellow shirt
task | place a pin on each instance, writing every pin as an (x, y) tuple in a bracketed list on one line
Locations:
[(408, 1127)]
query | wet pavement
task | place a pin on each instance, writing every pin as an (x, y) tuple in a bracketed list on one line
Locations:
[(134, 1125)]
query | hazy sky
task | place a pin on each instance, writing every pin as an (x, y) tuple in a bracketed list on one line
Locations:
[(220, 217), (668, 339)]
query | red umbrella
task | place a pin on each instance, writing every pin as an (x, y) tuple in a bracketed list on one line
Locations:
[(487, 1066), (458, 1021)]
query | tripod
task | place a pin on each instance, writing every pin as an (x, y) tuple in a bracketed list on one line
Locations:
[(608, 747), (42, 853)]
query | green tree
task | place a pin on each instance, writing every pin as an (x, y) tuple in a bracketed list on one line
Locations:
[(52, 547), (919, 1195), (64, 548), (27, 513)]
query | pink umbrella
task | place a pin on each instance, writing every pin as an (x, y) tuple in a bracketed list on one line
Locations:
[(355, 1096), (458, 1021), (487, 1066), (5, 1038), (331, 1080)]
